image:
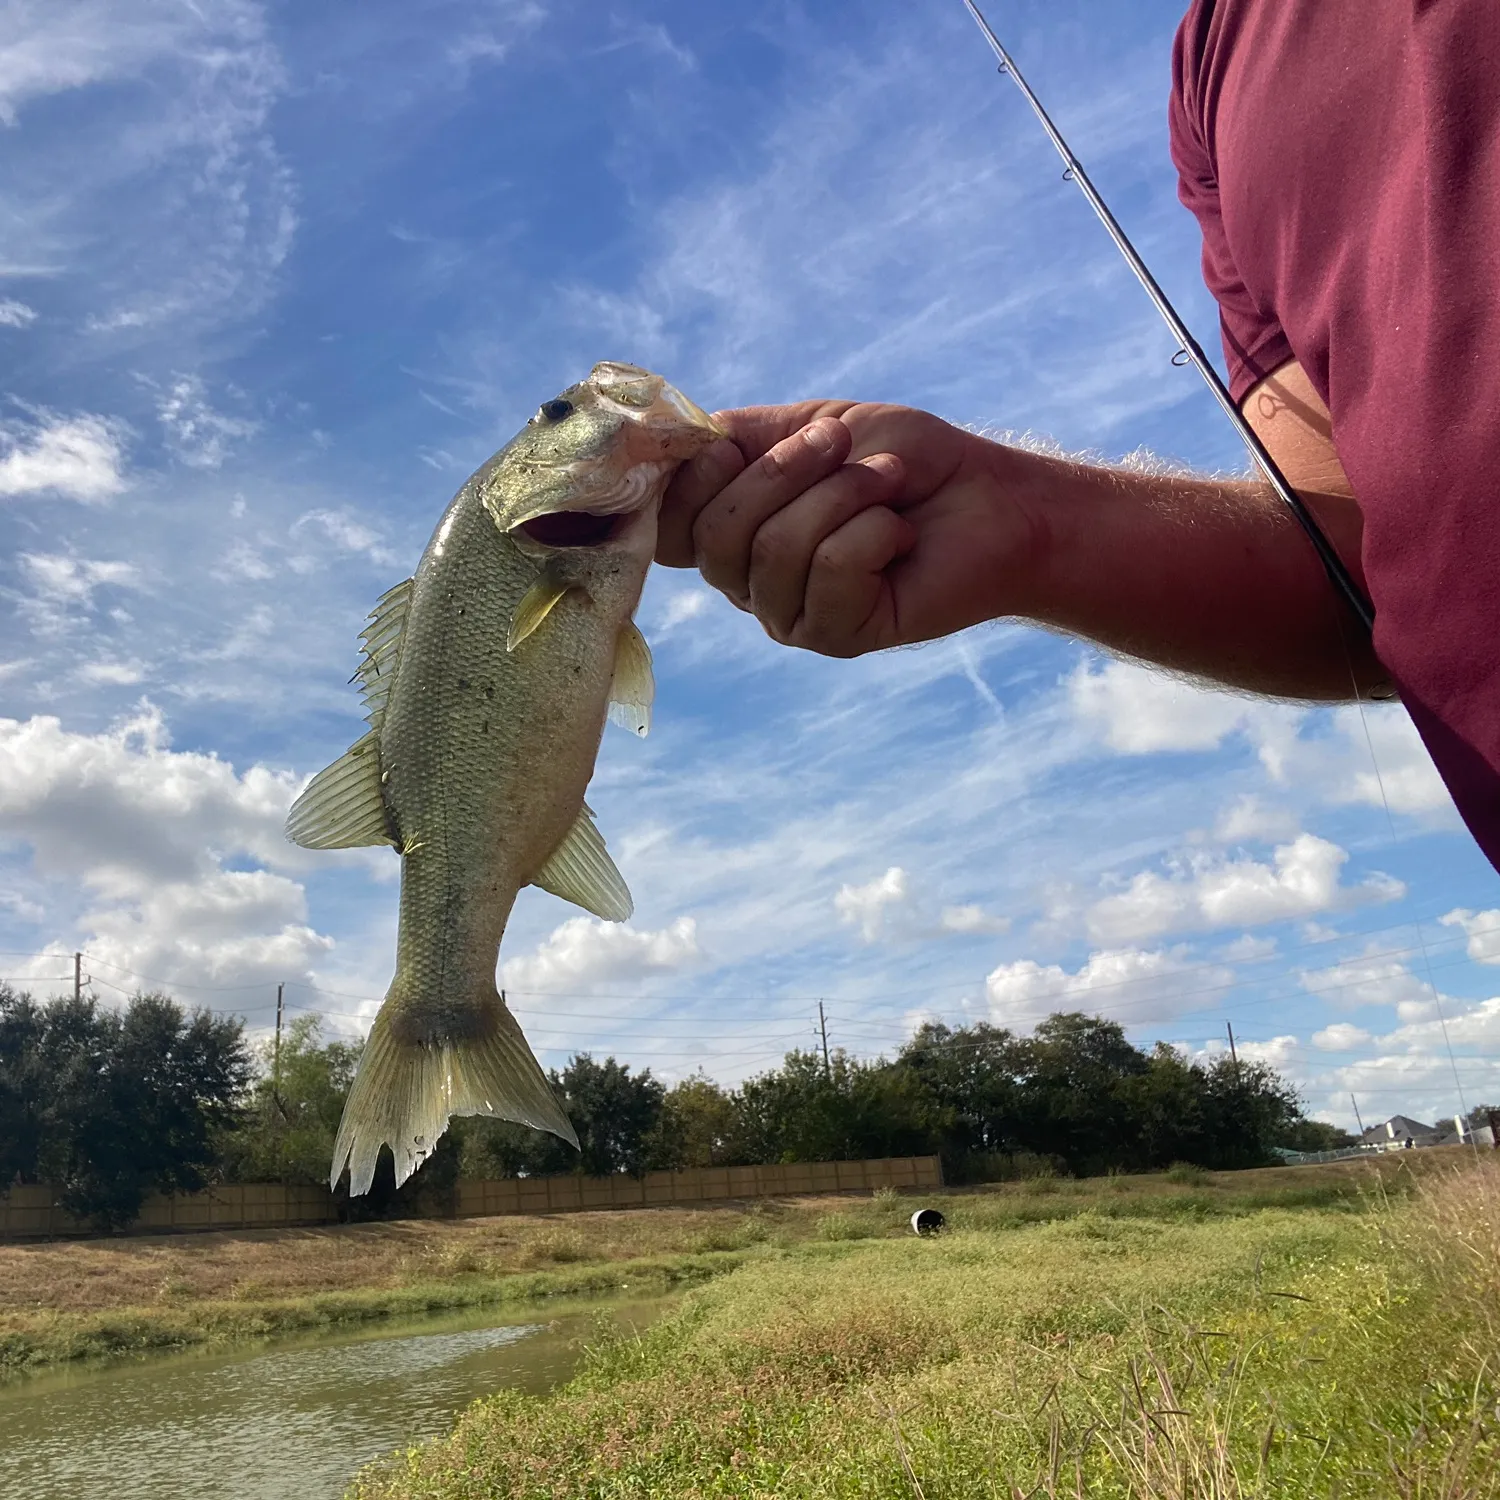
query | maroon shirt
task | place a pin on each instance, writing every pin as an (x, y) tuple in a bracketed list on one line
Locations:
[(1343, 160)]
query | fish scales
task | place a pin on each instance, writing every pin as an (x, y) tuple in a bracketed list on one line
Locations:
[(488, 678)]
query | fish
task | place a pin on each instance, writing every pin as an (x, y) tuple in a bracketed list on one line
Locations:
[(487, 678)]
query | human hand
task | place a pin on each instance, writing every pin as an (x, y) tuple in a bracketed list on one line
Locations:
[(849, 527)]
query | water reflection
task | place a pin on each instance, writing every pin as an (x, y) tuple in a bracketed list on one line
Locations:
[(289, 1422)]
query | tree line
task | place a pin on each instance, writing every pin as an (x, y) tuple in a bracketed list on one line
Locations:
[(109, 1104)]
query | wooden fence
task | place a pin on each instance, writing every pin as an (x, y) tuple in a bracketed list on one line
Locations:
[(28, 1213), (31, 1213)]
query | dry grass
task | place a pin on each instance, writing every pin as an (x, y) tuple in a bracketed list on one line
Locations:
[(1274, 1353), (246, 1265), (64, 1299)]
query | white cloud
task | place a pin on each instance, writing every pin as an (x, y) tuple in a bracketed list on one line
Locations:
[(1341, 1036), (584, 952), (112, 673), (62, 588), (1370, 979), (73, 579), (1138, 711), (1249, 819), (144, 835), (1406, 778), (199, 436), (1248, 948), (167, 189), (972, 919), (681, 607), (15, 314), (1303, 877), (1482, 928), (123, 800), (869, 907), (344, 531), (1279, 1052), (1134, 985), (887, 908), (77, 458)]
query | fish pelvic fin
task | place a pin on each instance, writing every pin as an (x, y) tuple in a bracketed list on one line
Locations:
[(405, 1093)]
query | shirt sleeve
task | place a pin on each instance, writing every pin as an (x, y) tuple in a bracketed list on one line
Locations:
[(1254, 342)]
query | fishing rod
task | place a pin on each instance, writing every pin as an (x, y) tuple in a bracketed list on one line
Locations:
[(1189, 351)]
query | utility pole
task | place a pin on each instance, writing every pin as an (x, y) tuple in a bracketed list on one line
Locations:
[(276, 1053), (823, 1031), (1234, 1056), (1357, 1119), (77, 977)]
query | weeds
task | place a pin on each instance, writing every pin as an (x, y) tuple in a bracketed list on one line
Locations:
[(1209, 1352)]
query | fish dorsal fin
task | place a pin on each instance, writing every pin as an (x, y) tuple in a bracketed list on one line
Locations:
[(535, 606), (581, 871), (634, 686), (381, 640), (341, 807)]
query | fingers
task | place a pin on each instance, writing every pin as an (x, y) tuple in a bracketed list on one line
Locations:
[(726, 528), (785, 549), (849, 606), (753, 432), (692, 487)]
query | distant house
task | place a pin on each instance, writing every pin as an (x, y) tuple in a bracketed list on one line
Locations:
[(1401, 1132), (1454, 1133)]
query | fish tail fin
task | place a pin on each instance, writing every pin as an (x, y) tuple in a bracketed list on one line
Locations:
[(405, 1092)]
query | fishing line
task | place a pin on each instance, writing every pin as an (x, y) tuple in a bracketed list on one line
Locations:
[(1188, 351)]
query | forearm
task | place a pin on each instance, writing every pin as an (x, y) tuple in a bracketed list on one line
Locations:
[(1214, 578)]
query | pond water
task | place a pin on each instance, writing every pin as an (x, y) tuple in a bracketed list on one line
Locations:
[(291, 1420)]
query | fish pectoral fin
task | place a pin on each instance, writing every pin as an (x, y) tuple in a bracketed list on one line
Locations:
[(537, 604), (341, 807), (634, 686), (581, 871)]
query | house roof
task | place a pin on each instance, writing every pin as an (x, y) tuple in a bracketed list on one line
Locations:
[(1398, 1127)]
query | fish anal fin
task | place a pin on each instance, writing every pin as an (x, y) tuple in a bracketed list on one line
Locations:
[(537, 603), (341, 807), (581, 871), (634, 686), (405, 1092)]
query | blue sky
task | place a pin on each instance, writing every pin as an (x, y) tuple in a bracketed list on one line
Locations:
[(275, 278)]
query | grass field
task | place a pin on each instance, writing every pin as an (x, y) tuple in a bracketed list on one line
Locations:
[(92, 1298), (1247, 1336)]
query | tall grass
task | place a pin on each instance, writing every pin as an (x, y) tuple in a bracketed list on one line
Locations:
[(1208, 1356)]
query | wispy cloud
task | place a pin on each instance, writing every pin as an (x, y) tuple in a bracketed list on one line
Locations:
[(72, 458), (196, 433)]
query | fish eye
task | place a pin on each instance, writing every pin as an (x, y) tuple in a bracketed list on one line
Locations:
[(555, 411)]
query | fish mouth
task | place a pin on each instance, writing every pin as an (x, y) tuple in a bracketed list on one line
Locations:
[(574, 528)]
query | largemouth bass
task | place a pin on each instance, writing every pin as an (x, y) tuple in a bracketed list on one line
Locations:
[(487, 678)]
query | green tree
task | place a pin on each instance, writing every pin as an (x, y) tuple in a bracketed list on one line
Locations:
[(847, 1110), (695, 1128), (614, 1112), (132, 1102), (972, 1076), (1303, 1134), (1073, 1102), (23, 1087), (292, 1117)]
